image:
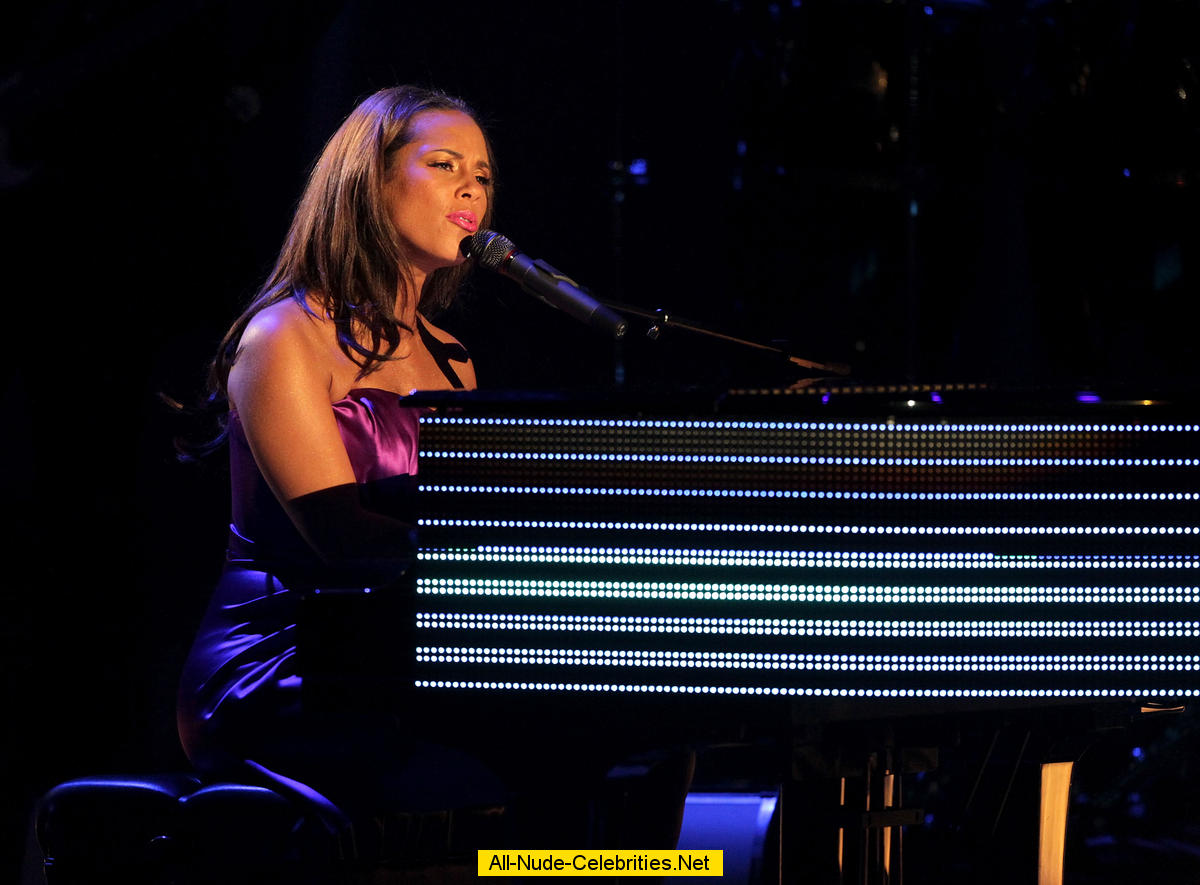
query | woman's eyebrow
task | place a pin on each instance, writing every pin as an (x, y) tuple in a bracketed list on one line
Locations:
[(483, 164)]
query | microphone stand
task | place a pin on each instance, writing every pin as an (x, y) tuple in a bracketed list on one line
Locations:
[(663, 319)]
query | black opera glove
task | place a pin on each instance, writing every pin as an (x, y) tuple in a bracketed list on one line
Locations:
[(359, 546)]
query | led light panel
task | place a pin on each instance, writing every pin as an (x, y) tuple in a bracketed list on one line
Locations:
[(739, 555)]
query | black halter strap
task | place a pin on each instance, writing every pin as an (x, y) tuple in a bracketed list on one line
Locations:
[(443, 353)]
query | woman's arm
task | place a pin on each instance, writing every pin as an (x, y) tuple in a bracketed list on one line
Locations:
[(280, 385)]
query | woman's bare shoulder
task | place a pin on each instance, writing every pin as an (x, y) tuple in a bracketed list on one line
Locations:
[(286, 323), (283, 345)]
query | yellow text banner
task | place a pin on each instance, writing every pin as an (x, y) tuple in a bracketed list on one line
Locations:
[(675, 862)]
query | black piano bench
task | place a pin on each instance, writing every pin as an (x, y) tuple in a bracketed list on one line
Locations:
[(107, 829), (247, 833), (173, 829)]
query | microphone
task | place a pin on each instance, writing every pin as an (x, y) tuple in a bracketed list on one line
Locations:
[(497, 253)]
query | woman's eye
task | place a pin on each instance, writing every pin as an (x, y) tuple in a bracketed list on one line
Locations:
[(443, 164), (484, 180)]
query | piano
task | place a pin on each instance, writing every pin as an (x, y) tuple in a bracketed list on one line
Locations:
[(860, 569)]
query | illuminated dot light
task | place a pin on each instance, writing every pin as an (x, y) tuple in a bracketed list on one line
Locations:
[(842, 426), (769, 528), (807, 627), (797, 558), (808, 593), (831, 460), (819, 662), (792, 691), (559, 491)]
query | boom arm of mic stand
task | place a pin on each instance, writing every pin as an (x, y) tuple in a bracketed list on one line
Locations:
[(663, 318)]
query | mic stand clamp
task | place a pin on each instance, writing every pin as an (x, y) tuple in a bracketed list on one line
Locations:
[(662, 319)]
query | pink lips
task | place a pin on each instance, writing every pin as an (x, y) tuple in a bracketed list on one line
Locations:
[(465, 220)]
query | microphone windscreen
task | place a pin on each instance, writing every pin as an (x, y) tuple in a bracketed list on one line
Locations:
[(489, 249)]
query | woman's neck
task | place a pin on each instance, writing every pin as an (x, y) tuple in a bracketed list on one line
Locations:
[(405, 309)]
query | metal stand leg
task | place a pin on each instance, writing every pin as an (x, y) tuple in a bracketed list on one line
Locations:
[(870, 846), (1052, 825)]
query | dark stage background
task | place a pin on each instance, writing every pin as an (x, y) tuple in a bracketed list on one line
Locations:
[(997, 192)]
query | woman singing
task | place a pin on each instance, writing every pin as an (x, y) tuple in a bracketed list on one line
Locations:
[(323, 450)]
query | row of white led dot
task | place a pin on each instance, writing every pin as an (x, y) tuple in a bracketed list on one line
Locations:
[(559, 491), (758, 627), (794, 622), (518, 657), (831, 460), (768, 528), (888, 426), (794, 593), (818, 658), (789, 691), (799, 558), (1071, 598), (830, 632)]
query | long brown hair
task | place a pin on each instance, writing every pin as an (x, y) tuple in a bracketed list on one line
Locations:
[(342, 250)]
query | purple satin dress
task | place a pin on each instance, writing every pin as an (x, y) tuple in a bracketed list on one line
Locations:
[(239, 705)]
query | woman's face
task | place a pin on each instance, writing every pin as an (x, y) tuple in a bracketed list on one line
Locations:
[(437, 188)]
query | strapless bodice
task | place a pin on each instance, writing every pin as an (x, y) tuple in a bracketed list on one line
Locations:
[(381, 436)]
